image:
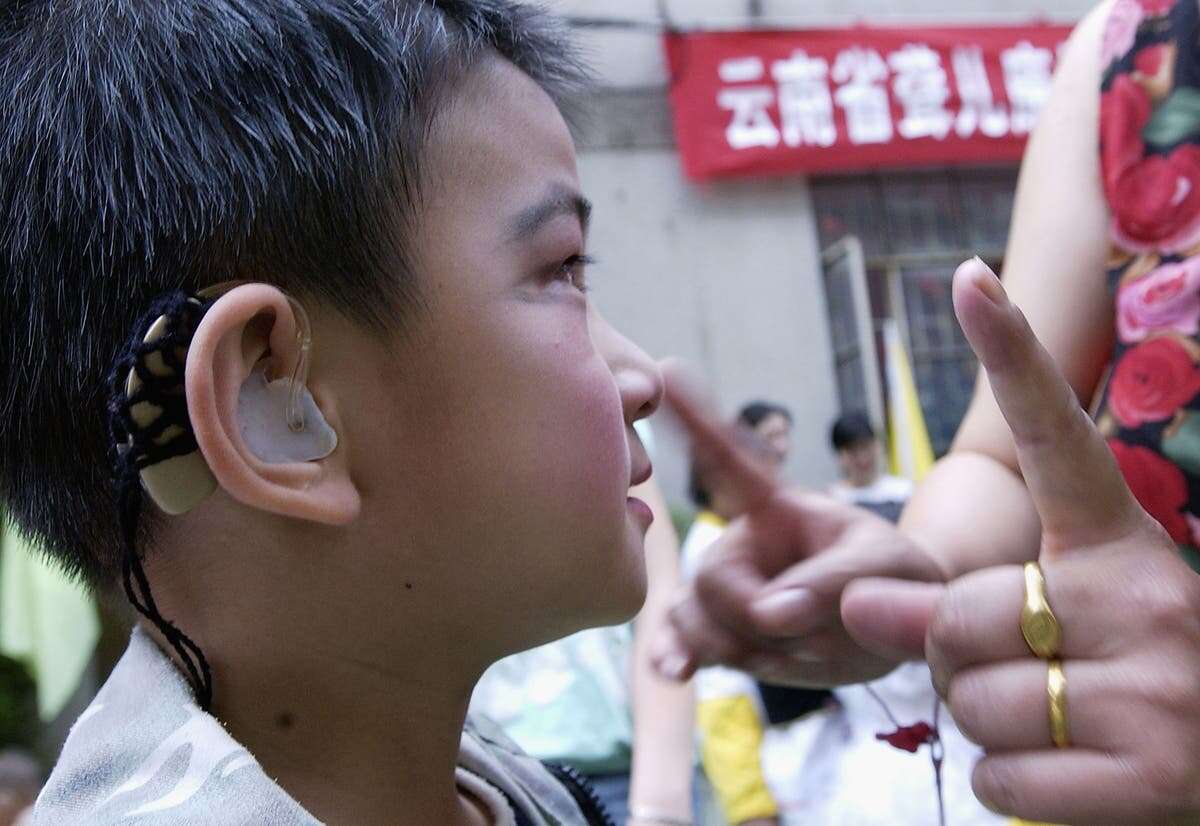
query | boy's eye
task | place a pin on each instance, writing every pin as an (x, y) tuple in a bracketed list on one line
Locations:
[(573, 272)]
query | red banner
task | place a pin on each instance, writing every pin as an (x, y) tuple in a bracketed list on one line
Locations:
[(761, 102)]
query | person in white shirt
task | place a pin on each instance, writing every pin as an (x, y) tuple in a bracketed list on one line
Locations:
[(860, 458)]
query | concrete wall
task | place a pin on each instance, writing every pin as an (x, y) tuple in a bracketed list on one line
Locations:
[(726, 276)]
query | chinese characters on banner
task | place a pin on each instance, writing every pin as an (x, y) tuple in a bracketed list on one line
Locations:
[(830, 100)]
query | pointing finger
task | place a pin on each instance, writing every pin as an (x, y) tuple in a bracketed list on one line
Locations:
[(1069, 470), (749, 482)]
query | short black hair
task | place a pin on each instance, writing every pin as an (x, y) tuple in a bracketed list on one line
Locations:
[(851, 429), (752, 413), (151, 145)]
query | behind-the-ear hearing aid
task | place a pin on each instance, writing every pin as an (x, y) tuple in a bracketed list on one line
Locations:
[(278, 419), (155, 446)]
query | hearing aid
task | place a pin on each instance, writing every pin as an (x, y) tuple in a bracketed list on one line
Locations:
[(277, 417)]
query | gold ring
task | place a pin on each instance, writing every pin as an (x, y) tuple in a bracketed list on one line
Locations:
[(1039, 626), (1056, 687)]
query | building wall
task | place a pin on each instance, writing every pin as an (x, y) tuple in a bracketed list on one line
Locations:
[(726, 276), (722, 277)]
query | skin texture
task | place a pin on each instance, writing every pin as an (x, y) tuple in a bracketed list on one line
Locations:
[(476, 504)]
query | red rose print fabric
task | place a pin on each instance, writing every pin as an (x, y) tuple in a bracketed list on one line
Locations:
[(1159, 486), (1152, 382), (1150, 160)]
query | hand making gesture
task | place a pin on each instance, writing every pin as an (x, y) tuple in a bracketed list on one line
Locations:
[(1078, 674)]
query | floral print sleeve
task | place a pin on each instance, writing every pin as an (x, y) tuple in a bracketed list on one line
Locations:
[(1150, 160)]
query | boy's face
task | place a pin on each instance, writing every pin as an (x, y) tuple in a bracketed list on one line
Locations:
[(860, 462), (496, 443)]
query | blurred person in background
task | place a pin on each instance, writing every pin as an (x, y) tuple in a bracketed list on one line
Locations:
[(730, 711), (782, 706), (773, 423), (860, 458)]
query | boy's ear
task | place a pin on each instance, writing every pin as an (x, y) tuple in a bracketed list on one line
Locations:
[(251, 326)]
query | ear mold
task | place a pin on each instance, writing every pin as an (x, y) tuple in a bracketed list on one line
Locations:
[(266, 412)]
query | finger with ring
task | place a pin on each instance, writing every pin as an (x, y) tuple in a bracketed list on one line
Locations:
[(978, 621), (1039, 626), (1056, 688), (1007, 707)]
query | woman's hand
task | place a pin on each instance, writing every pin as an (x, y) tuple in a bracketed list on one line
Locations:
[(1127, 604)]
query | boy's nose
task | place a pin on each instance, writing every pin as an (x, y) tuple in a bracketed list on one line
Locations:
[(640, 384), (639, 379)]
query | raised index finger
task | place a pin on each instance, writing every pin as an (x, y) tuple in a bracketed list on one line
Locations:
[(1069, 470), (748, 481)]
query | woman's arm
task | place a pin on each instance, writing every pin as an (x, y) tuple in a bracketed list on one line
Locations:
[(663, 711), (973, 510)]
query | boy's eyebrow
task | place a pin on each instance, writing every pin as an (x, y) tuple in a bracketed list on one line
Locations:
[(560, 201)]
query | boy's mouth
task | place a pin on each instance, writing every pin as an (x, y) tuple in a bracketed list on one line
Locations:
[(641, 512)]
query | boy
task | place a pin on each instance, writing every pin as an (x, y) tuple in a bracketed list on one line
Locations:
[(401, 169), (859, 454)]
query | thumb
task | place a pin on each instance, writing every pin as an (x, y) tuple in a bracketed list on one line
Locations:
[(889, 617)]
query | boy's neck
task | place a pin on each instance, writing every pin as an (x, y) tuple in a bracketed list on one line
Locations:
[(353, 741), (359, 723)]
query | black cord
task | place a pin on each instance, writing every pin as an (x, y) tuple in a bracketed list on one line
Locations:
[(137, 447)]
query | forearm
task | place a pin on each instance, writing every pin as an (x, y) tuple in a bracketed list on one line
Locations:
[(972, 512), (663, 711), (663, 748)]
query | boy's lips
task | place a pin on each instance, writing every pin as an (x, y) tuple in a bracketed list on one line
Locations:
[(641, 511)]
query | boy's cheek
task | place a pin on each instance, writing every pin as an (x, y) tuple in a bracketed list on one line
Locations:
[(582, 445), (579, 420)]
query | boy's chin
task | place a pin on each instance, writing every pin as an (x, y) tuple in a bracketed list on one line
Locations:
[(610, 590), (614, 602), (622, 597)]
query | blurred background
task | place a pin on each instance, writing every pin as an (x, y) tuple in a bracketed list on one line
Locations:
[(780, 281)]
